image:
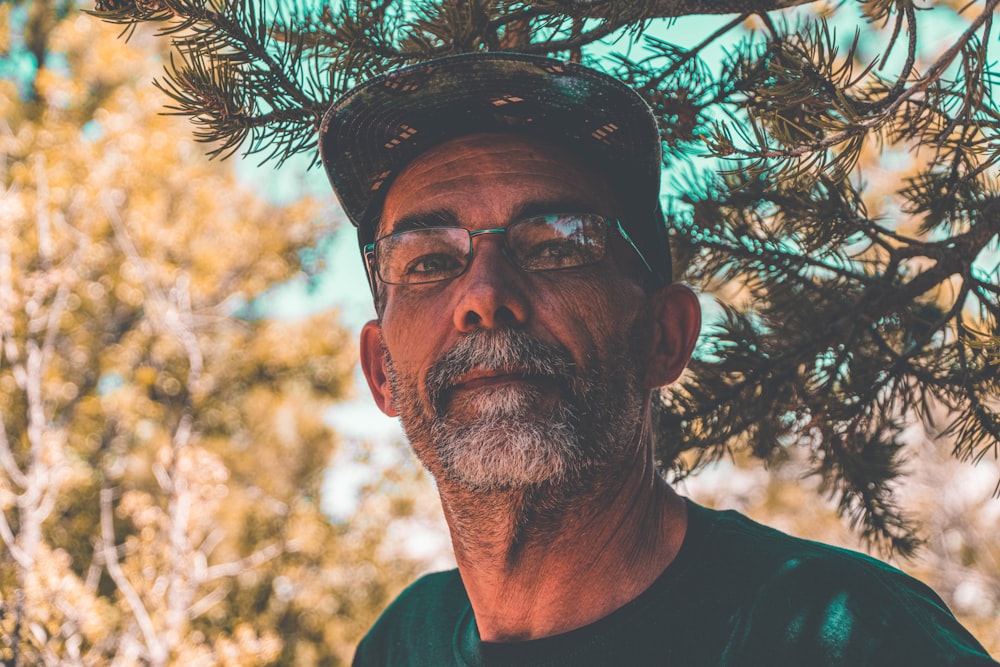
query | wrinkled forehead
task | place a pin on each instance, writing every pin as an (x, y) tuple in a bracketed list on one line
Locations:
[(496, 176)]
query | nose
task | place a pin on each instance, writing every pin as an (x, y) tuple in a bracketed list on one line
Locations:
[(492, 293)]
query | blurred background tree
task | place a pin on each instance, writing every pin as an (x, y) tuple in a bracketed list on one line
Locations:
[(162, 447)]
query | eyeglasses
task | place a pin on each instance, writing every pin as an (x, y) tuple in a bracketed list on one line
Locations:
[(539, 243)]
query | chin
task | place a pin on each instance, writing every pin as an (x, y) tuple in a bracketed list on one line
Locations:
[(507, 450)]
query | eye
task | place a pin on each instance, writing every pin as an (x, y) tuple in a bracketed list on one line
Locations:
[(432, 266), (555, 253)]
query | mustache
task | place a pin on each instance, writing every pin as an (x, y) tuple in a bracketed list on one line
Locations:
[(498, 349)]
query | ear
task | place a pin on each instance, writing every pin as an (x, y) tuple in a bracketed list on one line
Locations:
[(676, 325), (373, 364)]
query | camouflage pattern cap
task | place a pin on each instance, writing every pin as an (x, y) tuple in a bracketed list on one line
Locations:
[(371, 133)]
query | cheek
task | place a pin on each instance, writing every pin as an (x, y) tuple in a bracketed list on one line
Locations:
[(408, 354), (594, 315), (413, 328), (416, 303)]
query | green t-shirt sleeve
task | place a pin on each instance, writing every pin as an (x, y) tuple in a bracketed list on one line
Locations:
[(837, 613), (805, 603)]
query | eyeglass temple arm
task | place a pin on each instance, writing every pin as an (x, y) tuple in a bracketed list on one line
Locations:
[(368, 252), (628, 239)]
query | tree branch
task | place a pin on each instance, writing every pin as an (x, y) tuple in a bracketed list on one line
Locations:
[(676, 8), (229, 27), (862, 126), (156, 650), (255, 559)]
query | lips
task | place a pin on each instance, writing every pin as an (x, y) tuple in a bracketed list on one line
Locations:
[(486, 378)]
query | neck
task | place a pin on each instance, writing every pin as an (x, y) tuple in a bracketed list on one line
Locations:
[(536, 563)]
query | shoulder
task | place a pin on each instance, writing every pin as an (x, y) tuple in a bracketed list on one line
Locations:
[(803, 602), (742, 543), (777, 560), (420, 622)]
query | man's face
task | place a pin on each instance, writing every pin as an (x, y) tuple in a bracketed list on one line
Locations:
[(505, 378)]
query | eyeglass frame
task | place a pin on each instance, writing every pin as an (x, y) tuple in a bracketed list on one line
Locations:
[(372, 270)]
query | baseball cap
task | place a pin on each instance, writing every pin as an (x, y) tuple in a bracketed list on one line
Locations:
[(377, 128)]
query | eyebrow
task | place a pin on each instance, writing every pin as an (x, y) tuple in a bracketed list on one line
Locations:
[(436, 218)]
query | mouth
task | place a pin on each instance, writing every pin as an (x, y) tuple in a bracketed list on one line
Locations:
[(493, 378)]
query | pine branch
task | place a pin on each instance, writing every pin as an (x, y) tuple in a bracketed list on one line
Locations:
[(227, 66), (774, 369), (675, 8), (807, 148)]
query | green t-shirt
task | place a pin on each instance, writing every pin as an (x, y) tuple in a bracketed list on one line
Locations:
[(737, 594)]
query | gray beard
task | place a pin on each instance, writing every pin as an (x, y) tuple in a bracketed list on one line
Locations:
[(512, 441), (508, 444)]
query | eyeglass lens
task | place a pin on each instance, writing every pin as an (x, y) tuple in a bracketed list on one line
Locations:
[(542, 243)]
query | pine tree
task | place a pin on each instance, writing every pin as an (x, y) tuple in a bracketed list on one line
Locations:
[(855, 297)]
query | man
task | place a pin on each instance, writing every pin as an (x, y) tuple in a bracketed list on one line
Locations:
[(508, 211)]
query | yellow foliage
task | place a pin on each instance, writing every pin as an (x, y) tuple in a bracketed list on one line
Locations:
[(161, 458)]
